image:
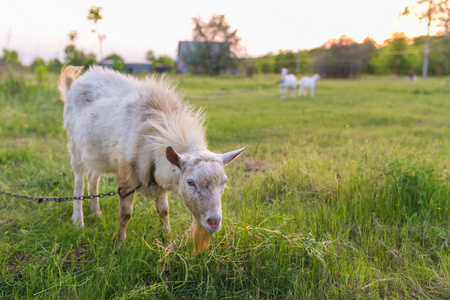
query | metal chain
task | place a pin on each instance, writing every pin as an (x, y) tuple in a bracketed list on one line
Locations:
[(58, 199)]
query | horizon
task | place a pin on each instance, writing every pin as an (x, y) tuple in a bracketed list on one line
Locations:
[(263, 26)]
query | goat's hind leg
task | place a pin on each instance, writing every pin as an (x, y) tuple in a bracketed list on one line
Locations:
[(162, 206), (283, 93), (93, 179), (77, 216)]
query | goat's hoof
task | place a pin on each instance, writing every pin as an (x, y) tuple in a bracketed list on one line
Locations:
[(78, 223), (96, 214), (120, 237)]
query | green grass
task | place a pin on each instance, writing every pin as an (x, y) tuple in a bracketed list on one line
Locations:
[(345, 195)]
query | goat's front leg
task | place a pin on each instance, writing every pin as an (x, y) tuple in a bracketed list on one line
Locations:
[(125, 182), (77, 216), (282, 93), (162, 206), (125, 211)]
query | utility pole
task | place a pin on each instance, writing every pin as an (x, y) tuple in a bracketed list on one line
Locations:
[(427, 47)]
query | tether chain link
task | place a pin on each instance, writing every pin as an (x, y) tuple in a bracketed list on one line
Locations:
[(57, 199)]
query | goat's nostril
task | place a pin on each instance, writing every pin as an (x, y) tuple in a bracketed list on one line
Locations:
[(213, 222)]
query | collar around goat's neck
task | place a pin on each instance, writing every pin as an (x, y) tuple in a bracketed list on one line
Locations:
[(151, 182)]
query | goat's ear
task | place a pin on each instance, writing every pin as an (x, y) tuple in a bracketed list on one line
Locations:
[(230, 156), (173, 157)]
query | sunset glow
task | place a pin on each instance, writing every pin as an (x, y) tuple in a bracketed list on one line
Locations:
[(40, 28)]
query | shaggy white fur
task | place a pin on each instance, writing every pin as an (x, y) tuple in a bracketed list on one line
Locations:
[(287, 82), (308, 83), (143, 131)]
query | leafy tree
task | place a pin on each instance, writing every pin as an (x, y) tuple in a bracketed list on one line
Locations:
[(397, 45), (216, 30), (95, 15), (433, 11), (286, 59), (396, 56), (10, 59), (40, 70), (266, 64), (439, 61), (215, 45), (440, 54), (117, 62), (162, 63), (37, 63), (78, 58), (341, 58), (369, 46), (163, 60), (149, 55), (73, 36), (73, 56), (54, 65)]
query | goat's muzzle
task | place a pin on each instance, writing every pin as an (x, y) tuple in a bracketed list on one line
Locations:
[(214, 223)]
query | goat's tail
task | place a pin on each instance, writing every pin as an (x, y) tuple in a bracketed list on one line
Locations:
[(67, 77)]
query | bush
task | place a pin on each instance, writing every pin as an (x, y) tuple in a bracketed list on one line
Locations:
[(12, 86)]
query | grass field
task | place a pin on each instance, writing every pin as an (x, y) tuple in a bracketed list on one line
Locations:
[(342, 196)]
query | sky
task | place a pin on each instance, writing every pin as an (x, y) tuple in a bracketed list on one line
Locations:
[(40, 28)]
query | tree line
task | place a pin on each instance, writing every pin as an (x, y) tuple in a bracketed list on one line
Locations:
[(345, 58), (337, 58), (216, 48)]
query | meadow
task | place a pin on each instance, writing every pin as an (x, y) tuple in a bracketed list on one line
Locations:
[(341, 196)]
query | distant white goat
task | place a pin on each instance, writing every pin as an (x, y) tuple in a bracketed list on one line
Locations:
[(308, 83), (143, 131), (287, 81)]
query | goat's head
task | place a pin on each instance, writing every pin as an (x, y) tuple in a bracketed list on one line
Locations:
[(201, 184)]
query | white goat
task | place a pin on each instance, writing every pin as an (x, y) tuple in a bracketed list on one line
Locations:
[(155, 143), (308, 83), (287, 81)]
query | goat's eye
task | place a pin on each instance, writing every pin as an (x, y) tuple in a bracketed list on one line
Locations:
[(190, 182)]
